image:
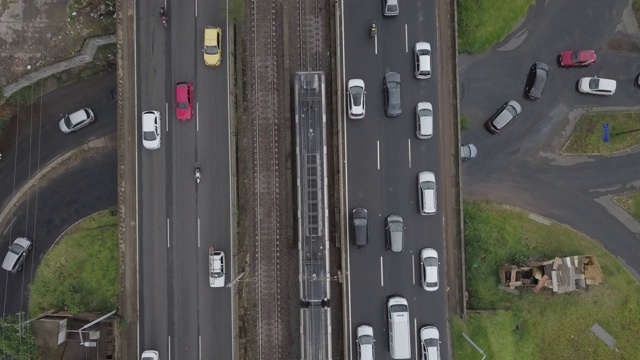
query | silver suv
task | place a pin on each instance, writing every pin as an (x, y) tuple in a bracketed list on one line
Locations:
[(395, 233)]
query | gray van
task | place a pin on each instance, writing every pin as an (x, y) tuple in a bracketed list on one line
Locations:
[(399, 324), (538, 74), (361, 226)]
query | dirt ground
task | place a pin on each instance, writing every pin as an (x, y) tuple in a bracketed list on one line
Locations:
[(37, 34)]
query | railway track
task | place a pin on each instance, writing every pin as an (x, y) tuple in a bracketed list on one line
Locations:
[(310, 33), (265, 115)]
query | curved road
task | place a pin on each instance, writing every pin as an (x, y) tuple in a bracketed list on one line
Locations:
[(522, 165), (69, 193)]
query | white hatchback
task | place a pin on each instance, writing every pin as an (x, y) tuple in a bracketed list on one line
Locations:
[(597, 86), (151, 129), (365, 341), (423, 60), (429, 269), (427, 193), (430, 343), (424, 120)]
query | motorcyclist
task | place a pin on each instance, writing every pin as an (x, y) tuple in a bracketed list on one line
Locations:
[(197, 174), (163, 12), (373, 28)]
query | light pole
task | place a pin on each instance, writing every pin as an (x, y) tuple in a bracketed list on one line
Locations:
[(236, 279)]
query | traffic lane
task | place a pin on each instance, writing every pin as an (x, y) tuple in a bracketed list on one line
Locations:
[(39, 139), (80, 188), (183, 253), (153, 244)]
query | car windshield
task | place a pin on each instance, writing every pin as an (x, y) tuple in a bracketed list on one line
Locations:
[(67, 122), (359, 222), (425, 112), (594, 83), (431, 261), (428, 185), (218, 274), (395, 226), (575, 56), (423, 52), (211, 50), (399, 308), (392, 8), (356, 95), (149, 135), (511, 110), (183, 105), (366, 340), (16, 248)]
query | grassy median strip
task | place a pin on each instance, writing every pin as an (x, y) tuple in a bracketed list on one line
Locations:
[(543, 325), (588, 135), (80, 272), (484, 23)]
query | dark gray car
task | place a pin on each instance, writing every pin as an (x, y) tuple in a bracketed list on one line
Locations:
[(538, 74), (395, 233), (361, 226), (392, 106)]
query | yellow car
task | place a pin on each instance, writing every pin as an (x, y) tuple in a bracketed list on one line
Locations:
[(212, 46)]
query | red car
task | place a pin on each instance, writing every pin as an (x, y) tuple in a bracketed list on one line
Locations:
[(184, 101), (578, 58)]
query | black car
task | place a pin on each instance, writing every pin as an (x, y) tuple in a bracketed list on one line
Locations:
[(538, 74), (392, 106), (361, 226)]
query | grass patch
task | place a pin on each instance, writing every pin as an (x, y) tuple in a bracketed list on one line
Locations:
[(624, 133), (636, 9), (465, 122), (630, 202), (484, 23), (80, 273), (543, 325)]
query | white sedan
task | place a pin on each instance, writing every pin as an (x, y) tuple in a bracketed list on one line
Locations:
[(149, 355), (597, 86), (424, 120), (356, 98), (429, 268), (430, 343), (76, 120), (216, 269), (151, 129)]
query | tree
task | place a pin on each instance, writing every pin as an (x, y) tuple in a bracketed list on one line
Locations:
[(12, 342)]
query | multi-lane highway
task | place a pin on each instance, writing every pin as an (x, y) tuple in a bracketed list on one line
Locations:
[(384, 158), (180, 315)]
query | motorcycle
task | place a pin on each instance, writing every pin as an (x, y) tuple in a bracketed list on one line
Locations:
[(374, 29), (197, 174), (164, 16)]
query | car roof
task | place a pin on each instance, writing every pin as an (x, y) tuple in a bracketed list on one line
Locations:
[(181, 90), (78, 116), (149, 120)]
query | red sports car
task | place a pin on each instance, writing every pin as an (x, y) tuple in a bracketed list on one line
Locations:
[(184, 101), (578, 58)]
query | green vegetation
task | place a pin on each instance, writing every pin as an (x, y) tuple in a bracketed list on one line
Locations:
[(636, 9), (465, 122), (624, 133), (236, 11), (80, 273), (543, 325), (484, 23), (12, 343), (630, 202), (26, 95)]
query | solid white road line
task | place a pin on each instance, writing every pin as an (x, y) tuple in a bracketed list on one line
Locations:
[(166, 115), (198, 232), (413, 268), (200, 347), (415, 336), (406, 39), (196, 3), (381, 272), (169, 346), (197, 118), (375, 38), (168, 235), (378, 150), (409, 141)]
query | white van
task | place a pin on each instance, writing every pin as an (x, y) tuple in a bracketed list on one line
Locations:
[(399, 332)]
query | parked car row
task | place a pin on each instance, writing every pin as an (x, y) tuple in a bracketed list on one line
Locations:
[(399, 335)]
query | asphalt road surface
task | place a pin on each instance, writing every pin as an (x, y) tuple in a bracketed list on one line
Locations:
[(180, 315), (522, 165), (68, 194), (60, 199), (384, 158)]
